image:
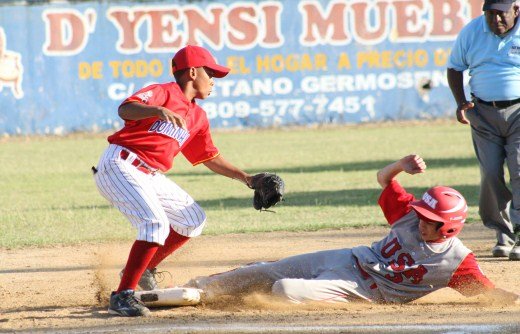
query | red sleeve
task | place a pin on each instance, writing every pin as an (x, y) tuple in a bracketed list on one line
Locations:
[(469, 279), (153, 95), (394, 202), (201, 147)]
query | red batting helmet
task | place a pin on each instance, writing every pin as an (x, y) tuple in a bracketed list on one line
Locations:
[(445, 205)]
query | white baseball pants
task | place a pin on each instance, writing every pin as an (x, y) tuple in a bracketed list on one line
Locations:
[(151, 202)]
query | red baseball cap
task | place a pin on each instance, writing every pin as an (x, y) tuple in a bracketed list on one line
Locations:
[(196, 56)]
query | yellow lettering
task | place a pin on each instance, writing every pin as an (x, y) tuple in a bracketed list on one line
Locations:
[(277, 63), (421, 58), (141, 68), (156, 68), (398, 59), (344, 61), (392, 59), (237, 65), (97, 70), (306, 63), (127, 69), (136, 69), (320, 61), (262, 64), (84, 70), (440, 57), (87, 70), (292, 62), (115, 64), (369, 58), (386, 61)]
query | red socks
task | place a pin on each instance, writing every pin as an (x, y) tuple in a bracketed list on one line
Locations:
[(140, 255), (172, 243), (145, 255)]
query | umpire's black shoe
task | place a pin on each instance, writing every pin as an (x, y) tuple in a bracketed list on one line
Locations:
[(514, 255), (127, 305)]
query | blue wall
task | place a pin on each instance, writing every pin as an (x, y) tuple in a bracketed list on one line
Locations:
[(67, 67)]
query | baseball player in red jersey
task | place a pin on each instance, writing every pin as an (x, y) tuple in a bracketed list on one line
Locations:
[(161, 120), (420, 254)]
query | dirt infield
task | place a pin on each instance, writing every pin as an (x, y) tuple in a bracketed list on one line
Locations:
[(66, 288)]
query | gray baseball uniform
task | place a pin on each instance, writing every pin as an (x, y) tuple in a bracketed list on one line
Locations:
[(399, 268)]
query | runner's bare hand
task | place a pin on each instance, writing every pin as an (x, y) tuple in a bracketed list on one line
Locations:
[(413, 164)]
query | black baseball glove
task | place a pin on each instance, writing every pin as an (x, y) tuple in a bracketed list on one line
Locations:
[(269, 190)]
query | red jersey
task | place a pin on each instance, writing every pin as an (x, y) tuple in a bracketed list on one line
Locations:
[(468, 279), (156, 141)]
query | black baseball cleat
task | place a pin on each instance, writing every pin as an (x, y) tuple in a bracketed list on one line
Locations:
[(514, 254), (126, 304)]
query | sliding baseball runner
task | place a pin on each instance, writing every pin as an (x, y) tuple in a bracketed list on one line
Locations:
[(420, 255)]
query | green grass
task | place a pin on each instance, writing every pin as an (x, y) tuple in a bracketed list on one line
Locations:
[(48, 195)]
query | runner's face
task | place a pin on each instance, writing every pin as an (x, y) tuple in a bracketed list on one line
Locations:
[(429, 231), (203, 82), (500, 22)]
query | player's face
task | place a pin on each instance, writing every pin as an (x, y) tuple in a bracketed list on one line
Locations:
[(203, 82), (500, 22), (429, 231)]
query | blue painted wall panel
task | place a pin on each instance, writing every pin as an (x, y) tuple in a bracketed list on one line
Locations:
[(66, 67)]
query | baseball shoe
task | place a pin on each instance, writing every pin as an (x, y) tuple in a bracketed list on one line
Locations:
[(501, 250), (126, 304), (514, 254), (149, 279)]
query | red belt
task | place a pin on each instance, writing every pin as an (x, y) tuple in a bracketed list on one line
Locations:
[(137, 163)]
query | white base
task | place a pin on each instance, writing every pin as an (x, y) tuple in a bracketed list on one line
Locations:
[(170, 297)]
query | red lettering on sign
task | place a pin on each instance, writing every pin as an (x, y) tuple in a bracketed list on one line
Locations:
[(448, 20), (66, 31), (127, 23), (321, 28), (475, 7), (363, 31), (409, 23), (203, 26), (242, 22), (272, 25), (164, 34)]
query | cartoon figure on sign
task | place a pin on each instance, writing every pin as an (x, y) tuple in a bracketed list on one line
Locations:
[(11, 68)]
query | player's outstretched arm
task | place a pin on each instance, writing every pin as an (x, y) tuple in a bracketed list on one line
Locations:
[(223, 167), (411, 164)]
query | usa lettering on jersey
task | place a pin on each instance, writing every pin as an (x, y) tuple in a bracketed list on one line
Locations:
[(170, 130), (403, 265)]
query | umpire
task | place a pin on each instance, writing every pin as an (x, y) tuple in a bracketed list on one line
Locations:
[(489, 46)]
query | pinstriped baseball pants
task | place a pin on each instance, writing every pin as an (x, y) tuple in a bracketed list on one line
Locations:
[(151, 202)]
